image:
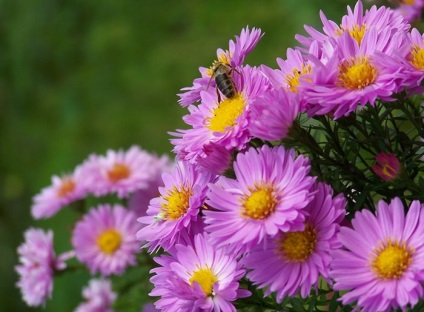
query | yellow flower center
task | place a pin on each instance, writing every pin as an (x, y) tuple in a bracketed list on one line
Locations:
[(205, 278), (357, 32), (389, 172), (357, 73), (177, 203), (67, 186), (407, 2), (391, 259), (109, 241), (293, 79), (260, 203), (416, 57), (226, 114), (297, 246), (118, 172)]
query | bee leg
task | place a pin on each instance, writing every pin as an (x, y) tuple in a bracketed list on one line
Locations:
[(218, 95)]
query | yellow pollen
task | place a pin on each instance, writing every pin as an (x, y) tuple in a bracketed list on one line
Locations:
[(109, 241), (391, 260), (205, 278), (118, 172), (226, 114), (177, 203), (357, 32), (260, 203), (357, 73), (407, 2), (222, 58), (297, 246), (293, 79), (416, 58), (388, 171), (67, 186)]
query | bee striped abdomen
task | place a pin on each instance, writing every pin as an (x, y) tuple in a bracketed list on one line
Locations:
[(225, 84)]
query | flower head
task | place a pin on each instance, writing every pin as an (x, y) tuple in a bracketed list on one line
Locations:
[(234, 57), (354, 75), (98, 295), (105, 240), (411, 10), (356, 24), (176, 209), (197, 277), (291, 72), (381, 262), (63, 191), (387, 167), (269, 194), (224, 123), (38, 264), (122, 172), (293, 261), (411, 60)]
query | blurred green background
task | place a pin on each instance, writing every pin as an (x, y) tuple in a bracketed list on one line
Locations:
[(79, 77)]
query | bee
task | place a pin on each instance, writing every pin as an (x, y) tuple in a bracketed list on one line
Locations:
[(222, 73)]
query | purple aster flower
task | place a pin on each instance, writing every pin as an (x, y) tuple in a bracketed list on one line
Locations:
[(197, 277), (273, 114), (357, 23), (174, 212), (38, 265), (269, 194), (411, 60), (354, 75), (63, 191), (411, 10), (122, 172), (381, 263), (98, 296), (234, 57), (225, 123), (105, 240), (291, 71), (292, 262)]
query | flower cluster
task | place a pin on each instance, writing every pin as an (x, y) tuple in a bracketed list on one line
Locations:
[(292, 187), (103, 239)]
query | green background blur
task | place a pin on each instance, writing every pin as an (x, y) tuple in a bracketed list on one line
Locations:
[(81, 76)]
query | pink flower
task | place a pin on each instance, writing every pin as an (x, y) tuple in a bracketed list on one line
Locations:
[(173, 214), (356, 24), (122, 172), (293, 261), (99, 297), (38, 265), (197, 277), (387, 167), (354, 75), (269, 194), (411, 60), (105, 240), (63, 191), (224, 123), (411, 10), (381, 262)]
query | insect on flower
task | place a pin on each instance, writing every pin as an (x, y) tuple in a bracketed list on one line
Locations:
[(222, 73)]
